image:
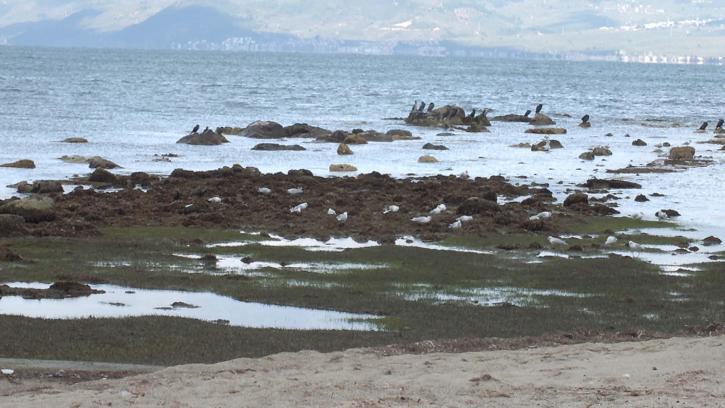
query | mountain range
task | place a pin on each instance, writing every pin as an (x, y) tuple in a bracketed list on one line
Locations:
[(437, 27)]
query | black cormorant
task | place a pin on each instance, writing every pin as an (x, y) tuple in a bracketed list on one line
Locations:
[(206, 129), (473, 114), (539, 107), (719, 124), (528, 112), (431, 106), (196, 129), (703, 126), (422, 107), (585, 119)]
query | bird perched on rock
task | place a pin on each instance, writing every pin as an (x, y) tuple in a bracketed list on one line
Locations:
[(473, 114), (195, 129), (206, 129), (718, 127), (703, 127), (611, 241), (431, 106), (421, 220), (585, 119), (295, 191), (634, 246), (465, 218), (330, 211), (422, 107), (298, 208), (342, 217), (539, 107), (264, 190), (456, 225), (541, 216), (415, 107), (527, 113), (556, 241)]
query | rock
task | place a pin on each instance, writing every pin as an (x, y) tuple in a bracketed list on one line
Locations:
[(32, 209), (274, 147), (102, 176), (305, 130), (142, 179), (12, 226), (639, 142), (667, 214), (207, 138), (399, 134), (711, 241), (20, 164), (431, 146), (342, 167), (547, 131), (101, 163), (264, 130), (601, 151), (46, 187), (546, 145), (641, 198), (576, 199), (585, 125), (542, 120), (75, 159), (343, 149), (682, 153), (587, 156), (357, 138), (75, 140), (511, 118), (477, 128), (229, 130), (600, 184), (427, 159), (476, 205)]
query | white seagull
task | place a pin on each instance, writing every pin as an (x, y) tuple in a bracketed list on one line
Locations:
[(465, 218), (456, 225), (264, 190), (298, 208), (295, 191), (342, 217), (439, 209), (556, 241), (611, 241), (330, 211), (391, 209), (421, 220)]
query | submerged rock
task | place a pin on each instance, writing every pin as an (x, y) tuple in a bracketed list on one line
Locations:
[(102, 176), (264, 130), (512, 117), (75, 140), (639, 142), (601, 184), (20, 164), (601, 151), (427, 159), (97, 162), (711, 241), (641, 198), (355, 138), (542, 120), (342, 167), (546, 145), (547, 131), (343, 149), (431, 146), (274, 147)]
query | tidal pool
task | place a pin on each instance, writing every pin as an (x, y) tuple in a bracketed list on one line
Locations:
[(118, 302)]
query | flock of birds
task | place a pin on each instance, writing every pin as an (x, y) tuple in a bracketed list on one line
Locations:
[(421, 108)]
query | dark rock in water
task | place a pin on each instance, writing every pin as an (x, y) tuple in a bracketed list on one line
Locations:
[(228, 130), (576, 199), (264, 130), (356, 138), (601, 151), (305, 130), (101, 163), (23, 187), (641, 198), (344, 149), (711, 241), (33, 209), (47, 187), (445, 134), (273, 147), (102, 176), (448, 115), (639, 142), (600, 209), (182, 305), (599, 184), (207, 138), (247, 260), (546, 145), (585, 125), (587, 156), (670, 213), (356, 131), (58, 290), (542, 120), (511, 118), (399, 133), (12, 226), (666, 144), (547, 131), (20, 164), (431, 146), (475, 205), (75, 140), (476, 128)]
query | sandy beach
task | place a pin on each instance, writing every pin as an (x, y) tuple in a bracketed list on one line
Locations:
[(674, 372)]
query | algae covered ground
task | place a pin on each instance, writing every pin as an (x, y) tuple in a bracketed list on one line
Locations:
[(497, 285)]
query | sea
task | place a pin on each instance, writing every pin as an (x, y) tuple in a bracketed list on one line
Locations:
[(133, 106)]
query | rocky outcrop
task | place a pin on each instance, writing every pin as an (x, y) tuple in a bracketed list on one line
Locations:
[(101, 163), (273, 130), (601, 151), (355, 138), (33, 209), (20, 164), (542, 120), (431, 146), (342, 168), (12, 226), (576, 199), (547, 131), (343, 149), (74, 159), (682, 153), (103, 176), (639, 142), (40, 187), (274, 147), (427, 159), (448, 115), (207, 138), (604, 184), (476, 206)]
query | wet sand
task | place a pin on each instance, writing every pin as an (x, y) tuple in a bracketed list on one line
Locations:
[(672, 372)]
